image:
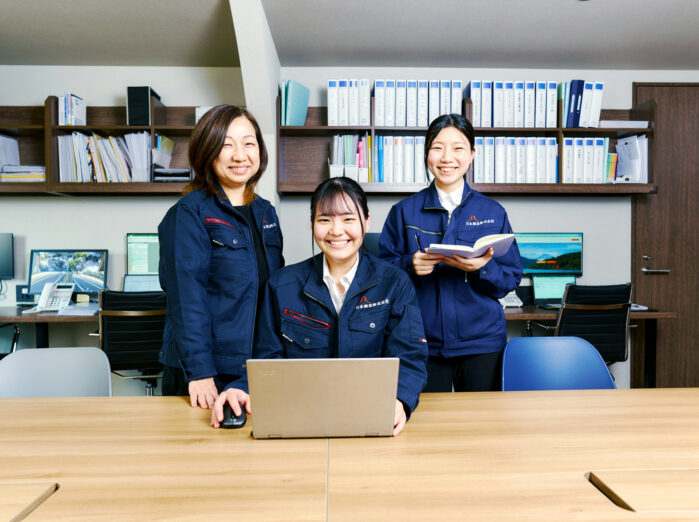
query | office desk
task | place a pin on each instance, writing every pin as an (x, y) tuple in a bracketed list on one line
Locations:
[(13, 314), (477, 456), (643, 358)]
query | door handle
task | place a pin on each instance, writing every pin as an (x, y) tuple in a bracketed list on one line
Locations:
[(647, 270)]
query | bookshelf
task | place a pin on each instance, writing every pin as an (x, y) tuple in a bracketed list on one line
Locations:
[(37, 130), (302, 154)]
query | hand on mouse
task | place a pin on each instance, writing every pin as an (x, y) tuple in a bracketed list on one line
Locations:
[(400, 418), (233, 396)]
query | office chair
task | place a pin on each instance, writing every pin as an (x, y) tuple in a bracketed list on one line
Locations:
[(55, 372), (598, 314), (371, 243), (131, 326), (13, 342), (553, 363)]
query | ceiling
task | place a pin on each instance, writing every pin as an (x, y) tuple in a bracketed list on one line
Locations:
[(537, 34), (185, 33), (570, 34)]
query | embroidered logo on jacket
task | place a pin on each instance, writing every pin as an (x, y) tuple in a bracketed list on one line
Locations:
[(473, 221), (364, 303), (266, 224)]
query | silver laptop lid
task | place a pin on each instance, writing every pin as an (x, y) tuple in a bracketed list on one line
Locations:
[(299, 398)]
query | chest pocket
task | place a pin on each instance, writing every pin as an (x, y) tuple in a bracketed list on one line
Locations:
[(303, 341), (367, 330), (272, 236), (228, 246)]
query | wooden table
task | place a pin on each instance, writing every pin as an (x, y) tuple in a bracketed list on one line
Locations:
[(643, 357), (464, 456), (15, 315)]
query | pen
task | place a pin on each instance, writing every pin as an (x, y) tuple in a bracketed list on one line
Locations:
[(419, 245)]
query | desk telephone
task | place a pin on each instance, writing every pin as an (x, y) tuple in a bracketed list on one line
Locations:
[(54, 297)]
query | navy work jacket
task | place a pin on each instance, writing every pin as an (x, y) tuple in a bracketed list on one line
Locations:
[(461, 311), (379, 318), (209, 270)]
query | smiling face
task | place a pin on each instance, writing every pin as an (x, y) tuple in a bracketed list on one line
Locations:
[(449, 158), (239, 158), (339, 232)]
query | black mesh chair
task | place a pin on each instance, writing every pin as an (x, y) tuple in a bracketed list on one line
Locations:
[(131, 328), (598, 314)]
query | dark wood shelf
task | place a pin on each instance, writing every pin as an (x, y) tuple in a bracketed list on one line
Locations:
[(102, 128), (563, 189), (93, 189)]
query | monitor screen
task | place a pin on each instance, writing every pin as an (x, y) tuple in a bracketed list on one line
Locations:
[(141, 283), (7, 256), (550, 252), (142, 254), (86, 268)]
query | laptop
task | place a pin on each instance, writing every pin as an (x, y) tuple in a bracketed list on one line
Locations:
[(549, 289), (142, 283), (305, 398)]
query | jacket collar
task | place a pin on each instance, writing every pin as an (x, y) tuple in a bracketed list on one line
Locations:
[(431, 201), (365, 278)]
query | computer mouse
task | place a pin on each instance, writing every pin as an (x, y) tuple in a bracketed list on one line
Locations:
[(231, 421)]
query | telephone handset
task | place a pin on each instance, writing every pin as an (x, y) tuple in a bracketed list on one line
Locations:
[(54, 297)]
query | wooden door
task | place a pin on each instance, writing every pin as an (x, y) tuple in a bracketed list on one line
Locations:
[(665, 233)]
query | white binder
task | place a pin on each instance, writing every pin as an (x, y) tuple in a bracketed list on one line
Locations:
[(390, 103), (598, 161), (364, 102), (486, 104), (510, 160), (500, 159), (474, 92), (379, 102), (444, 97), (419, 165), (551, 104), (530, 176), (411, 104), (398, 157), (388, 159), (568, 160), (409, 159), (541, 160), (498, 104), (488, 160), (400, 103), (478, 173), (596, 106), (354, 103), (551, 160), (509, 104), (433, 106), (578, 160), (529, 103), (518, 105), (589, 160), (521, 160), (343, 103), (422, 103), (456, 96), (540, 108), (332, 103)]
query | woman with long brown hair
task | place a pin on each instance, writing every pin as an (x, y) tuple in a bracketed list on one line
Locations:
[(218, 246)]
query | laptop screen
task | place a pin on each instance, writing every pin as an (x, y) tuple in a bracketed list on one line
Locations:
[(141, 283), (551, 288)]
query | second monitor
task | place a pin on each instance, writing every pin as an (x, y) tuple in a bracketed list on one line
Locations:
[(550, 253), (142, 253)]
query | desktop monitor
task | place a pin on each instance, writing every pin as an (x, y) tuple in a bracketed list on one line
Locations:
[(86, 268), (550, 252), (7, 256), (142, 254)]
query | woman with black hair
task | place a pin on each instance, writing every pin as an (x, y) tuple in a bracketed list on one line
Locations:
[(464, 321), (218, 246), (342, 302)]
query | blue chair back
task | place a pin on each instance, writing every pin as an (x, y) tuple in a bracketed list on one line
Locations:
[(553, 363)]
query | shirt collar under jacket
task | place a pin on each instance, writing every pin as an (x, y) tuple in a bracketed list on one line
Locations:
[(346, 280), (450, 201)]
